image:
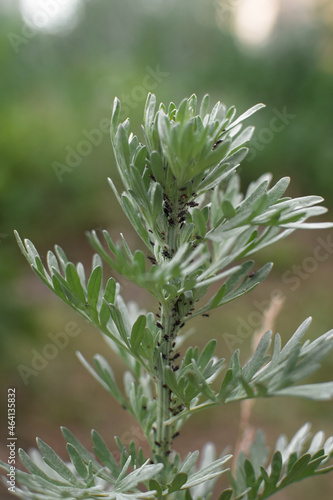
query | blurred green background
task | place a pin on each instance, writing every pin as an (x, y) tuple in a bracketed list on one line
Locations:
[(62, 63)]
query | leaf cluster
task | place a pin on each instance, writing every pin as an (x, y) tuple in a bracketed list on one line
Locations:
[(86, 477), (258, 477), (263, 375)]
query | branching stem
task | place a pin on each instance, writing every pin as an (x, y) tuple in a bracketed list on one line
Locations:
[(163, 432), (169, 321)]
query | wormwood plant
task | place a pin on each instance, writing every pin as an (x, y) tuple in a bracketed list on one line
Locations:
[(182, 196)]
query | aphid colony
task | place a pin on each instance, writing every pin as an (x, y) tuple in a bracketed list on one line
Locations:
[(176, 212)]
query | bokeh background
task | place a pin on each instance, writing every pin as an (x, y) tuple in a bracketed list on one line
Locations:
[(62, 63)]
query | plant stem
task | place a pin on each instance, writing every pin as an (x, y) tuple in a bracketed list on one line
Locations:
[(169, 321), (163, 432)]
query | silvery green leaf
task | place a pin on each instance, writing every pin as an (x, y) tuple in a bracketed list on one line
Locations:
[(259, 357), (138, 332), (209, 472), (268, 237), (129, 481), (204, 490), (245, 115), (34, 469), (52, 261), (54, 461), (295, 339), (21, 245), (275, 193), (206, 354), (228, 116), (308, 225), (94, 286), (104, 375), (115, 116), (103, 453), (154, 485), (253, 197), (31, 250), (156, 200), (242, 138), (85, 455), (157, 169), (77, 461), (178, 481), (316, 392), (69, 290), (199, 222), (189, 462), (74, 282), (149, 109), (204, 106), (235, 130), (248, 284), (226, 494), (82, 275)]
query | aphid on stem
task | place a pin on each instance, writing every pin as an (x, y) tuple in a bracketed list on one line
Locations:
[(152, 260), (217, 143)]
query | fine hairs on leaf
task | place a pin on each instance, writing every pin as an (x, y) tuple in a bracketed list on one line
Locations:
[(182, 195)]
